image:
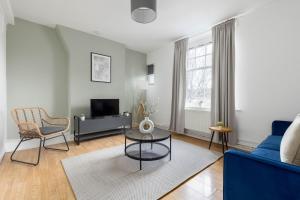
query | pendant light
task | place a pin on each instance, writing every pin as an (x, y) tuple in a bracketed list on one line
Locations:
[(143, 11)]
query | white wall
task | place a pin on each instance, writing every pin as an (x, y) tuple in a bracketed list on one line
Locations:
[(267, 68), (2, 83), (267, 73), (198, 120), (135, 70), (163, 70)]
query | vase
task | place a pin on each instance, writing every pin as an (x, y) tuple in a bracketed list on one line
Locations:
[(82, 117), (146, 126)]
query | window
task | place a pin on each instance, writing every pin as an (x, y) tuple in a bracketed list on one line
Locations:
[(198, 77)]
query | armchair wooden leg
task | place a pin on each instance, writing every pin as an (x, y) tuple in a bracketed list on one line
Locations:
[(29, 163), (56, 148)]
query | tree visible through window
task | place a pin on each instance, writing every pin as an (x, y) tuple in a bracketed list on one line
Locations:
[(198, 77)]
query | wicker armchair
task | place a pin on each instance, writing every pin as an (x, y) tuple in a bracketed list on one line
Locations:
[(35, 123)]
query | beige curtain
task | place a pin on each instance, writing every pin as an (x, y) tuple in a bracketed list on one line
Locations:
[(178, 87), (223, 95)]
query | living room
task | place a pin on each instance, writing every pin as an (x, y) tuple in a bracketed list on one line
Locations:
[(149, 99)]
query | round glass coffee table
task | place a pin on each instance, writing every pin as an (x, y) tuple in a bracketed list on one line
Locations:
[(147, 147)]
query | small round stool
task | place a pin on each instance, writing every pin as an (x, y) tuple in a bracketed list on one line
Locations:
[(221, 130)]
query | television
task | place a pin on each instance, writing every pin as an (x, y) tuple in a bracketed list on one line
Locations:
[(104, 107)]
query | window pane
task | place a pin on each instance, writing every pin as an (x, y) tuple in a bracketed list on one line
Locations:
[(209, 49), (188, 80), (208, 60), (207, 89), (189, 64), (209, 77), (192, 53), (192, 63), (198, 89), (200, 61), (200, 51)]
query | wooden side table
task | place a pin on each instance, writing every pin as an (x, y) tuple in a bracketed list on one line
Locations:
[(224, 133)]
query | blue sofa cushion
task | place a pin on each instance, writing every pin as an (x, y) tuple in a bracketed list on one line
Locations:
[(272, 142), (267, 153), (279, 127)]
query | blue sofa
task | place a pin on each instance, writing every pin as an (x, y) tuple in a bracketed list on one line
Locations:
[(260, 175)]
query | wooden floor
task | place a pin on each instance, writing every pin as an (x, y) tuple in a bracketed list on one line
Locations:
[(48, 180)]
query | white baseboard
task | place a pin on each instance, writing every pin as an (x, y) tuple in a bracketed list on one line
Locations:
[(192, 133), (164, 127), (11, 144), (241, 145), (248, 143), (199, 134), (202, 136)]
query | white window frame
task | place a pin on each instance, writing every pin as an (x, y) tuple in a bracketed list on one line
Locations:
[(198, 108)]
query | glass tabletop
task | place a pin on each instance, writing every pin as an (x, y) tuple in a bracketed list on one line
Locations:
[(156, 135)]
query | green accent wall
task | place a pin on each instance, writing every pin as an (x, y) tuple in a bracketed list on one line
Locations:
[(36, 70), (50, 67)]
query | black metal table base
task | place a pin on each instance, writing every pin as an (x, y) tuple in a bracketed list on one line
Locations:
[(140, 152), (224, 138)]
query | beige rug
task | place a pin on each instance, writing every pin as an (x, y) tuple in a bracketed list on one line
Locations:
[(109, 174)]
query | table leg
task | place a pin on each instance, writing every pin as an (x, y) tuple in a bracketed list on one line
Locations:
[(125, 146), (170, 147), (212, 137), (140, 155), (223, 141), (124, 129)]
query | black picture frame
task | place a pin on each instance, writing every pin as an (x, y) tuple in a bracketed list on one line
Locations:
[(103, 73)]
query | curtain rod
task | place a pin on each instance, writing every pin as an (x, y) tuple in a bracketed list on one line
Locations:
[(230, 18)]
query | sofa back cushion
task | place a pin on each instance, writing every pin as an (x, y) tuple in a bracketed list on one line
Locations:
[(279, 127), (290, 143)]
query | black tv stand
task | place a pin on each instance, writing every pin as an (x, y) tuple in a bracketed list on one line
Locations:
[(92, 128)]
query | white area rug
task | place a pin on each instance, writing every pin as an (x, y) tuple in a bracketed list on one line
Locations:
[(109, 174)]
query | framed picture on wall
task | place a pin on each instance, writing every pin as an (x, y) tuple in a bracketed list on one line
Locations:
[(100, 68)]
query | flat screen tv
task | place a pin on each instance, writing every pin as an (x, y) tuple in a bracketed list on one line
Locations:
[(103, 107)]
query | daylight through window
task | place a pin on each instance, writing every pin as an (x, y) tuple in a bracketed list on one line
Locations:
[(198, 77)]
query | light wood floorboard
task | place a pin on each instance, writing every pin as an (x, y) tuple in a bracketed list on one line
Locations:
[(48, 181)]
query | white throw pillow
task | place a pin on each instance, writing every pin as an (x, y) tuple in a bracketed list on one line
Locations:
[(290, 143)]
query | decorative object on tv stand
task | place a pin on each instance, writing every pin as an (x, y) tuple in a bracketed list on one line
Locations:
[(126, 114), (82, 117), (143, 11), (100, 68)]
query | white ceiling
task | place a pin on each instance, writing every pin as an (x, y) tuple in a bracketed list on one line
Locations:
[(111, 19)]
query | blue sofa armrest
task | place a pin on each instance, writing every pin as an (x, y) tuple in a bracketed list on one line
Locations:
[(279, 127), (249, 177)]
